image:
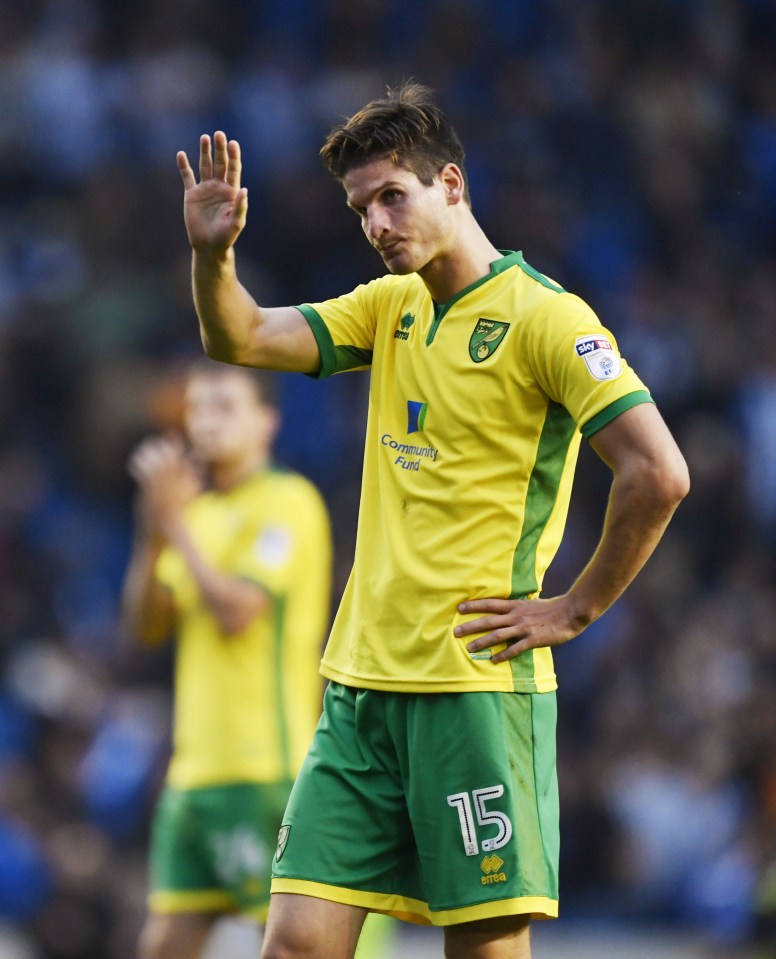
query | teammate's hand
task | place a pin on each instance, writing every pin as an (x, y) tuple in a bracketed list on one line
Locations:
[(214, 210), (522, 624), (167, 482)]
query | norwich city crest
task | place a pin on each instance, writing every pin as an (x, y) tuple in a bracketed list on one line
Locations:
[(486, 338)]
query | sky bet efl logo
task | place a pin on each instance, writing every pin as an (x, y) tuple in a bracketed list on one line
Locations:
[(600, 357)]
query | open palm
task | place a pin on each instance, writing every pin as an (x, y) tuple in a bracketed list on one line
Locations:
[(215, 208)]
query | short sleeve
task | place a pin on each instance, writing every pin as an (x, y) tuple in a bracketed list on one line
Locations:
[(577, 363), (268, 553), (344, 329)]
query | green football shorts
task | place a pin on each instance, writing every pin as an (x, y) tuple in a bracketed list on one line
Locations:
[(211, 848), (435, 808)]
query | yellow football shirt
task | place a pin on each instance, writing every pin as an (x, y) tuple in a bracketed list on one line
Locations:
[(246, 705), (476, 411)]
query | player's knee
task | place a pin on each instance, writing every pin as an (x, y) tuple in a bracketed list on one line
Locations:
[(154, 940), (163, 937), (496, 938), (275, 949)]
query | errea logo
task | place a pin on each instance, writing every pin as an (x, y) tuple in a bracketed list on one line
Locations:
[(405, 324), (491, 867)]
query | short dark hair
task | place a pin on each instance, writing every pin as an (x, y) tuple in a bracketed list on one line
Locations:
[(407, 126), (264, 382)]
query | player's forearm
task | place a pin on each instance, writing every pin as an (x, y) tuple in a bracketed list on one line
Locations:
[(639, 510), (146, 613), (232, 602), (228, 314)]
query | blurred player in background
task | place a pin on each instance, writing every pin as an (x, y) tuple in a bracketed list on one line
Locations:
[(430, 790), (232, 556)]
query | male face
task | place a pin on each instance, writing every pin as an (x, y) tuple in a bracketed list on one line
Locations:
[(408, 223), (226, 422)]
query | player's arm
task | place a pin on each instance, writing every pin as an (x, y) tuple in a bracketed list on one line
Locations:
[(650, 479), (167, 483), (233, 602), (234, 328), (147, 609)]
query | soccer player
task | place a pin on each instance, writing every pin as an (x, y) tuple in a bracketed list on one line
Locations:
[(240, 573), (430, 791)]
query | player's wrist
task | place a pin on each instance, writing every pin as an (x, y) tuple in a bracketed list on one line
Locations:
[(581, 611), (214, 259)]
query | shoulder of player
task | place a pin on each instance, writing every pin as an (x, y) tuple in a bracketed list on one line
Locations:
[(284, 485), (545, 311)]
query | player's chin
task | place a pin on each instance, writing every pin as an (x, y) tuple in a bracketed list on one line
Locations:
[(400, 265)]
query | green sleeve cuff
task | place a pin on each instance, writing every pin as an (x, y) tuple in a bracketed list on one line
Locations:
[(324, 341), (612, 411)]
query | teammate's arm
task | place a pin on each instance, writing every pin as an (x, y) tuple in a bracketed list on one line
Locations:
[(167, 482), (649, 481), (234, 328), (233, 602), (147, 610)]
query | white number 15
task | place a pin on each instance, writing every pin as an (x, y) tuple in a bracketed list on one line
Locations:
[(485, 817)]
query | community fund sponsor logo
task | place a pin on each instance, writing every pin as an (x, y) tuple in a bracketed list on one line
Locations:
[(491, 867), (405, 325), (410, 456), (600, 357), (416, 415), (486, 338)]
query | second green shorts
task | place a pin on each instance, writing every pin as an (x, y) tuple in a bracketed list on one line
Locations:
[(435, 808), (211, 848)]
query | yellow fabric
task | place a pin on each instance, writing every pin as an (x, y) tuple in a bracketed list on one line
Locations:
[(415, 910), (472, 437), (246, 704)]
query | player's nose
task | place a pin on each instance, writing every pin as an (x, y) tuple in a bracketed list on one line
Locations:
[(376, 224)]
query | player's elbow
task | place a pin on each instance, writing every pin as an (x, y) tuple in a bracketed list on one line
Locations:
[(231, 625), (670, 481), (677, 480), (220, 350), (235, 620), (146, 633), (235, 616)]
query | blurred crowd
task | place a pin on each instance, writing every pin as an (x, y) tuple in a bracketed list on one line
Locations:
[(628, 147)]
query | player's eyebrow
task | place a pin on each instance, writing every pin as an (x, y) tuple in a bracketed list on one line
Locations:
[(388, 185)]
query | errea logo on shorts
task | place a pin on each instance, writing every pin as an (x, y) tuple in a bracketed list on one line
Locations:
[(491, 867), (600, 357)]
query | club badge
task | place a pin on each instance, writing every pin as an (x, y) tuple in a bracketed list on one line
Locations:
[(486, 338)]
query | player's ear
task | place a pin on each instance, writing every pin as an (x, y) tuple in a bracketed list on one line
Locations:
[(453, 183)]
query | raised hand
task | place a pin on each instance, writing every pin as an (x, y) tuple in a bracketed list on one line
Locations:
[(214, 210), (167, 482)]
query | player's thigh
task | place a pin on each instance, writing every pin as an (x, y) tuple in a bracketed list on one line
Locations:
[(303, 926), (175, 936), (503, 937), (483, 803), (346, 832)]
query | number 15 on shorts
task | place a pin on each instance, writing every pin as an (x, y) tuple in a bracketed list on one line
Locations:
[(464, 803)]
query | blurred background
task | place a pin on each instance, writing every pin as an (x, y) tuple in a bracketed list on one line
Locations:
[(629, 149)]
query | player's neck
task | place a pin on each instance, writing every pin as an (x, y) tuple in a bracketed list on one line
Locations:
[(225, 476), (467, 261)]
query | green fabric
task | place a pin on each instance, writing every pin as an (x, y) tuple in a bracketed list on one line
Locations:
[(217, 840), (334, 359), (613, 411), (371, 810)]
